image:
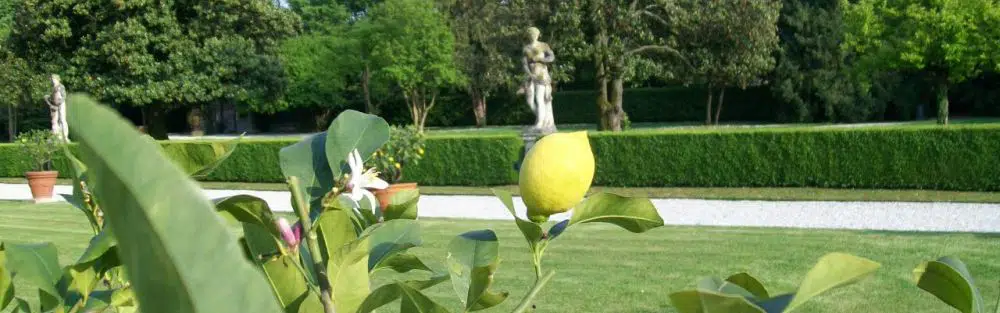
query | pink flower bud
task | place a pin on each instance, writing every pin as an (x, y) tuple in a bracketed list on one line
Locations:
[(287, 233)]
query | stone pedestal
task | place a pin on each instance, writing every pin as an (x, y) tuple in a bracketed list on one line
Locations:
[(530, 136)]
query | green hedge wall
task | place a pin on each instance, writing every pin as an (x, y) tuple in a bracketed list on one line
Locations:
[(952, 158), (946, 158)]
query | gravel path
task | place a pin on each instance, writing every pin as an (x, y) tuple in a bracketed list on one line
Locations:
[(892, 216)]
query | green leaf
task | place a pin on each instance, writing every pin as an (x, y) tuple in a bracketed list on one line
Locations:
[(723, 287), (833, 270), (199, 160), (403, 205), (37, 264), (390, 238), (354, 130), (261, 244), (77, 198), (288, 282), (348, 275), (249, 209), (6, 284), (532, 232), (307, 161), (335, 230), (414, 301), (704, 301), (170, 240), (749, 283), (99, 246), (22, 306), (633, 214), (80, 279), (403, 262), (385, 294), (948, 279), (473, 258)]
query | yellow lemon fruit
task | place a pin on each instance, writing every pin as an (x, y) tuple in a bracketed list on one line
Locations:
[(556, 174)]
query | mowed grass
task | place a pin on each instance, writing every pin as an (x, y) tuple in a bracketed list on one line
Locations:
[(601, 268)]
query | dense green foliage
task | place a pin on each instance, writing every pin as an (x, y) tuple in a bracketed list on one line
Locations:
[(923, 157), (159, 55), (946, 41)]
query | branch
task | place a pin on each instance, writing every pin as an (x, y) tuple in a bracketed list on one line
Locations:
[(663, 48), (655, 17)]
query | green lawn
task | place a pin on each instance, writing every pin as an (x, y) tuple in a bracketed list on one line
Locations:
[(712, 193), (604, 269)]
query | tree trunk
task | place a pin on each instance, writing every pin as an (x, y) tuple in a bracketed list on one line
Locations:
[(155, 120), (708, 107), (617, 99), (11, 122), (718, 108), (365, 78), (479, 109), (942, 102)]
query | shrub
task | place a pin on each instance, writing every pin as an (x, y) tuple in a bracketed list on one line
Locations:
[(41, 146), (952, 158), (405, 148)]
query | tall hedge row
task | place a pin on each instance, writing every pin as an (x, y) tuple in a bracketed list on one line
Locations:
[(950, 158), (953, 158)]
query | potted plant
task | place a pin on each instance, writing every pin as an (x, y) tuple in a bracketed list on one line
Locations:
[(404, 148), (42, 145)]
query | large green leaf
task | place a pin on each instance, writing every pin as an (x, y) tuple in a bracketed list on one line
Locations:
[(79, 279), (289, 283), (390, 238), (532, 232), (403, 205), (37, 264), (178, 253), (472, 261), (724, 287), (750, 284), (6, 284), (705, 301), (260, 243), (633, 214), (831, 271), (21, 306), (249, 209), (402, 263), (354, 130), (387, 293), (335, 230), (307, 161), (199, 160), (99, 249), (948, 279), (348, 275), (414, 301)]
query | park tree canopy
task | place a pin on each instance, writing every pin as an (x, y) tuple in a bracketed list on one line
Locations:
[(159, 55), (948, 41)]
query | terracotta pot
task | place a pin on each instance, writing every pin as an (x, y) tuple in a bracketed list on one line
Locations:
[(42, 184), (384, 196)]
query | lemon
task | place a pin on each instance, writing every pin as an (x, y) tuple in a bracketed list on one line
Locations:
[(556, 174)]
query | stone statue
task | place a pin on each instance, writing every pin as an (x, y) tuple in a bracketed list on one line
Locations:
[(538, 87), (57, 109)]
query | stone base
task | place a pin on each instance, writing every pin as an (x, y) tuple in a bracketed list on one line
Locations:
[(531, 135)]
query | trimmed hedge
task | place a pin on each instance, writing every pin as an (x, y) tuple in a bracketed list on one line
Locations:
[(450, 160), (946, 158), (951, 158)]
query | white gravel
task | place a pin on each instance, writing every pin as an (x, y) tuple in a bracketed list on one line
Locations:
[(892, 216)]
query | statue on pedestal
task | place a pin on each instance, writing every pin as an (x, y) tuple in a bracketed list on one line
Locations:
[(57, 109), (538, 87)]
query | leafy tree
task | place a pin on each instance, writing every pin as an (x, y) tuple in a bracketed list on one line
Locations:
[(813, 73), (21, 90), (317, 72), (159, 55), (486, 32), (321, 16), (414, 48), (620, 38), (6, 17), (947, 40), (726, 44)]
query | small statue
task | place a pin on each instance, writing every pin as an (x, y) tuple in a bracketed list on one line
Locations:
[(538, 87), (57, 109)]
